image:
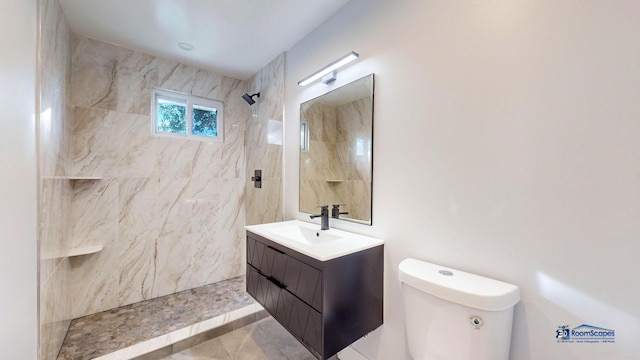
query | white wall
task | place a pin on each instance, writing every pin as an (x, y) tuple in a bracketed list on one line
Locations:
[(18, 267), (506, 143)]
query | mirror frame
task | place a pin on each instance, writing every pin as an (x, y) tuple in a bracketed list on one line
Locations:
[(370, 166)]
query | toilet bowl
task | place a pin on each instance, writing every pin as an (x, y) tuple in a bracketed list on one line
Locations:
[(454, 315)]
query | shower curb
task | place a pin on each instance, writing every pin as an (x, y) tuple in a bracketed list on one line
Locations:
[(178, 340)]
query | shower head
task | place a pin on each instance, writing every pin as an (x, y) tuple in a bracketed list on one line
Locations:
[(249, 98)]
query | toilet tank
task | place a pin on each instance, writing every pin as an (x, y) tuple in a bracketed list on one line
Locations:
[(455, 315)]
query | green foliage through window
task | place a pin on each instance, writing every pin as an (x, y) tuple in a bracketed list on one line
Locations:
[(205, 121), (172, 118), (187, 115)]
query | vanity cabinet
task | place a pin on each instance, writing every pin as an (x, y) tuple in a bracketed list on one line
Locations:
[(326, 305)]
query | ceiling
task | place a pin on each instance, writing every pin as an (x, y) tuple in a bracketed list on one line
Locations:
[(232, 37)]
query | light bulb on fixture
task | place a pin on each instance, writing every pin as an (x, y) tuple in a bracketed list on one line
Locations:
[(330, 68)]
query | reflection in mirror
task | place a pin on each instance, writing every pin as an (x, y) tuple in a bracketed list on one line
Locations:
[(336, 135)]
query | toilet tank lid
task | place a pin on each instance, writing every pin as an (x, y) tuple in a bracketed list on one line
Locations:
[(457, 286)]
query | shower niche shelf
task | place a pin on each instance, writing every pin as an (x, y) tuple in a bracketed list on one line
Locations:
[(77, 181), (85, 250), (74, 181), (72, 178), (75, 252)]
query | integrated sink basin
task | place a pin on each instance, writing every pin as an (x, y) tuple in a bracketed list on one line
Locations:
[(304, 235), (307, 238)]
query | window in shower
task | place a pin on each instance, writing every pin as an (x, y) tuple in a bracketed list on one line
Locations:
[(182, 115)]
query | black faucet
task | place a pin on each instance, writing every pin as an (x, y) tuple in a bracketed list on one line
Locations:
[(324, 217), (335, 211)]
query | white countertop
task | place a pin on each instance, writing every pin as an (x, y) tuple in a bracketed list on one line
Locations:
[(308, 239)]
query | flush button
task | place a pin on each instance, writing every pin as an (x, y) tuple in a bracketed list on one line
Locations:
[(476, 321), (445, 272)]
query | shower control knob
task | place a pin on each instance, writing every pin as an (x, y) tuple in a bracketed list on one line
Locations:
[(257, 178)]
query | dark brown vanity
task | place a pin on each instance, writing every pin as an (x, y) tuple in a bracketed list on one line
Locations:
[(326, 305)]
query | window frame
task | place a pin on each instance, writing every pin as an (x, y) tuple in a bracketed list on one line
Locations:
[(191, 101)]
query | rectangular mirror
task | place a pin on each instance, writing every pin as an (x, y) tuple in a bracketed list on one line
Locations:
[(336, 143)]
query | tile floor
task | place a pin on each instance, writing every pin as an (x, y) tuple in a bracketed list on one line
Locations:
[(106, 332), (262, 340), (254, 337)]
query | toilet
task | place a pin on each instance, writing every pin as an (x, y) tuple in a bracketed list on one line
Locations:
[(454, 315)]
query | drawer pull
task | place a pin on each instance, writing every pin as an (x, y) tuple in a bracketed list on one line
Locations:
[(276, 282), (276, 250)]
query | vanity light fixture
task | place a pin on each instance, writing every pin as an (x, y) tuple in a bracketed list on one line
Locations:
[(329, 78), (330, 68)]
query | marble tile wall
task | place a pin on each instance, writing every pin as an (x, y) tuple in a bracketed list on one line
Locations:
[(354, 141), (264, 144), (169, 212), (336, 170), (54, 188)]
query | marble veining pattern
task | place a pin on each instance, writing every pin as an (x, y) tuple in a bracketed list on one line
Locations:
[(169, 211), (53, 127), (110, 331), (264, 204)]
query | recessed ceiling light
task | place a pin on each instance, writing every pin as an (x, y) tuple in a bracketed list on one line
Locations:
[(185, 46)]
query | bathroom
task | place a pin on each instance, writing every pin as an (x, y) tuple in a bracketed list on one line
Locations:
[(505, 144)]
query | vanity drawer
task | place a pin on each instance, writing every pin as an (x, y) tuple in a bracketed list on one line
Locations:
[(302, 321), (302, 280), (255, 285), (267, 260)]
